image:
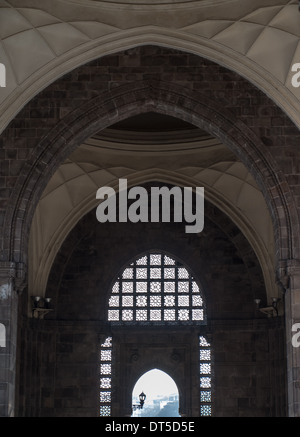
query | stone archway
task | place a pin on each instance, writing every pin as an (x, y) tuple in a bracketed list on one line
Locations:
[(64, 133), (130, 100)]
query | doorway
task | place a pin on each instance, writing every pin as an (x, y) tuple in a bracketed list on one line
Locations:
[(162, 396)]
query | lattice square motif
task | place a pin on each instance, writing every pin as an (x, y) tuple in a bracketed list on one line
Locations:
[(205, 369), (205, 410), (114, 301), (127, 301), (141, 287), (169, 287), (183, 301), (197, 315), (169, 300), (141, 273), (169, 315), (105, 396), (155, 287), (155, 273), (205, 396), (141, 315), (155, 315), (155, 301), (105, 411), (155, 260), (105, 382), (141, 301), (205, 355), (105, 369), (197, 301), (105, 355), (169, 273), (183, 287), (183, 315), (127, 287), (205, 382), (127, 315), (113, 315)]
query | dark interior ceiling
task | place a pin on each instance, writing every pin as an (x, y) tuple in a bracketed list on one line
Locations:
[(153, 122), (152, 127)]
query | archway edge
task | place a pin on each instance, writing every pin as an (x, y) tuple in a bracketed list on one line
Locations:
[(149, 35), (133, 99)]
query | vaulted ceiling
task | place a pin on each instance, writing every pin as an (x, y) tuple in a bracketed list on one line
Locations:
[(144, 149), (41, 41)]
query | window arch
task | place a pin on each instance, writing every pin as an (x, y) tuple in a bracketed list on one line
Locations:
[(156, 289)]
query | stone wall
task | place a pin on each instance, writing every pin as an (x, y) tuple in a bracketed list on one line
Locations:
[(61, 352)]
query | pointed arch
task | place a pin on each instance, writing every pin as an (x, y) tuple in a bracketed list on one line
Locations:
[(133, 99)]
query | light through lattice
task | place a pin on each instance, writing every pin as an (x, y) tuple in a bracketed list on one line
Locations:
[(105, 377), (205, 376), (155, 288)]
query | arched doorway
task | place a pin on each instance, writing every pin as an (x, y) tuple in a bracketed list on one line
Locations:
[(162, 396), (155, 310)]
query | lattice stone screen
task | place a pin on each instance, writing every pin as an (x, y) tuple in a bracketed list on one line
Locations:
[(105, 377), (153, 289), (205, 376), (156, 289)]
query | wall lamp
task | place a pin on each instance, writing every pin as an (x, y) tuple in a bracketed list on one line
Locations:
[(40, 306), (142, 398), (271, 310)]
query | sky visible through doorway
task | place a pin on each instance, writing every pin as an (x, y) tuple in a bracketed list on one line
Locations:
[(161, 395)]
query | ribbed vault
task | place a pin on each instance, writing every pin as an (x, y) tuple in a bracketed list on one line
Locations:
[(259, 40)]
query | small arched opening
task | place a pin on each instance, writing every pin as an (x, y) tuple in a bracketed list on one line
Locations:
[(162, 396)]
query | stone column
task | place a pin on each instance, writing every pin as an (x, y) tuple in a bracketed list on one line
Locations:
[(9, 280), (292, 314)]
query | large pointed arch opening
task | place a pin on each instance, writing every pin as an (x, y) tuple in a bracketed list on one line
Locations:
[(131, 100)]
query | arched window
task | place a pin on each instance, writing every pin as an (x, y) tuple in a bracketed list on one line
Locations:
[(156, 289)]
